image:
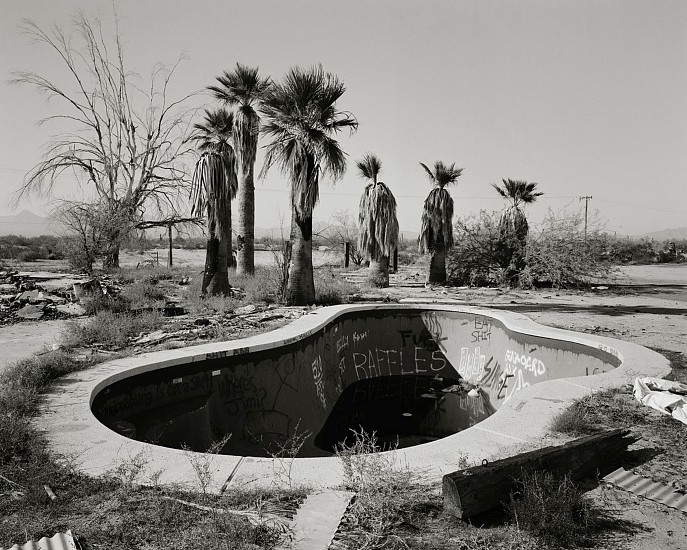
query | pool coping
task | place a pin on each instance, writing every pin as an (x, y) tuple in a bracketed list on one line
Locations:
[(73, 431)]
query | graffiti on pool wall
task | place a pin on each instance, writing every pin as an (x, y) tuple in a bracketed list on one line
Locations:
[(471, 363), (240, 394), (342, 344), (318, 378), (515, 361), (359, 337), (482, 332), (388, 362)]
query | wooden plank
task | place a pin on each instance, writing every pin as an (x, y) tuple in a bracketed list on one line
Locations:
[(481, 488)]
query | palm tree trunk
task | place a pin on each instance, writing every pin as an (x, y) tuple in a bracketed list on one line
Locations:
[(219, 283), (246, 234), (437, 262), (378, 272), (211, 252), (301, 286), (217, 259)]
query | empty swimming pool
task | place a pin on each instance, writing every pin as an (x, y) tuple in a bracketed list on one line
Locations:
[(405, 373)]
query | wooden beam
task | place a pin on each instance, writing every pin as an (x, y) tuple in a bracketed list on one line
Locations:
[(481, 488)]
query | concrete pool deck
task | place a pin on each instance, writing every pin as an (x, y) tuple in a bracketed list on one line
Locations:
[(521, 422)]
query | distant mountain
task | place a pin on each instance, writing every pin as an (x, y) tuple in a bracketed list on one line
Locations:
[(677, 234), (27, 224)]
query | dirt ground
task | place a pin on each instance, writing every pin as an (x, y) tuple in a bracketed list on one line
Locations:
[(646, 305)]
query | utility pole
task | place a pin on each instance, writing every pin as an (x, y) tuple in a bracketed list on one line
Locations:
[(586, 200)]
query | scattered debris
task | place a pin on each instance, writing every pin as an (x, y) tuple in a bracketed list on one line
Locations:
[(665, 396), (250, 308), (35, 296), (647, 488), (50, 492), (31, 311), (60, 541), (75, 310)]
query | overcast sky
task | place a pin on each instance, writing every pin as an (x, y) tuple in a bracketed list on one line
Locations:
[(583, 97)]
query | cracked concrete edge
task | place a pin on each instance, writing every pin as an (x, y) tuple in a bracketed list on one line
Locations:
[(73, 431)]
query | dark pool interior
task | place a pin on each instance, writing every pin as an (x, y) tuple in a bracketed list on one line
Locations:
[(381, 372)]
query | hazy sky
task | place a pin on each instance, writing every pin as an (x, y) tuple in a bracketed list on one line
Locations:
[(583, 97)]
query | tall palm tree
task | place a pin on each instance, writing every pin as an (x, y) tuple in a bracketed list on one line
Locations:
[(377, 222), (513, 226), (302, 120), (213, 186), (436, 233), (243, 90)]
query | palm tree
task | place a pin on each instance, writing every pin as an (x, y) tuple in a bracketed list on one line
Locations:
[(436, 233), (377, 222), (302, 119), (513, 226), (243, 89), (213, 186)]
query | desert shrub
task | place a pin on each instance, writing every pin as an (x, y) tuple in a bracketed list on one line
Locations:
[(625, 250), (476, 258), (190, 243), (265, 286), (110, 329), (408, 252), (553, 509), (143, 294), (557, 253), (331, 288)]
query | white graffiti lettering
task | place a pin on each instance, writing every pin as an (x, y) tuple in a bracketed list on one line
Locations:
[(341, 344), (387, 362), (526, 362), (359, 337), (471, 363), (318, 378)]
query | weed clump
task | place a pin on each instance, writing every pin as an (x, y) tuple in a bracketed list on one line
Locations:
[(110, 329), (575, 420), (331, 289), (386, 495), (553, 509)]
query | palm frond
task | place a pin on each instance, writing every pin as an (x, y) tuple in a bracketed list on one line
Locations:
[(214, 131), (245, 132), (301, 121), (213, 135), (437, 220), (211, 190), (377, 222), (430, 174), (369, 167), (443, 174), (518, 191), (242, 86)]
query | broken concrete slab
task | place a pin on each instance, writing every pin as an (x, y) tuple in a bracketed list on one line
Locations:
[(71, 309), (31, 311)]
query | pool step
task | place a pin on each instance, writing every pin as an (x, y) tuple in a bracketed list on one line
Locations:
[(317, 520)]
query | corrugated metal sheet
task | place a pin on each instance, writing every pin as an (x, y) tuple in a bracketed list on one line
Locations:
[(645, 487), (60, 541)]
